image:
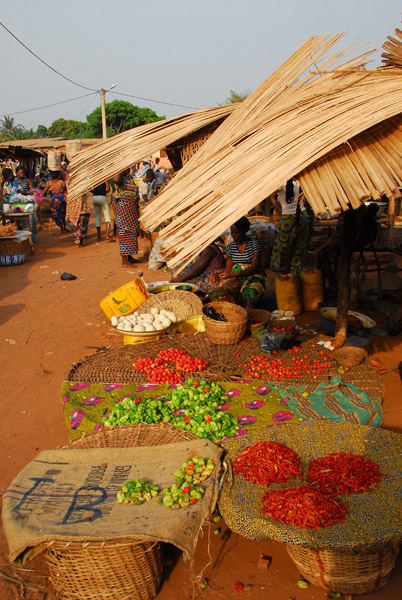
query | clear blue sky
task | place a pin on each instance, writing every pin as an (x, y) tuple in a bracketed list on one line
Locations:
[(182, 52)]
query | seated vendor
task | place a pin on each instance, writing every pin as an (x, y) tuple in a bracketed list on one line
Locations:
[(243, 280), (203, 271)]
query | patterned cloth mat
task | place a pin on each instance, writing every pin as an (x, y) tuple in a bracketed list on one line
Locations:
[(374, 518), (254, 405), (116, 365)]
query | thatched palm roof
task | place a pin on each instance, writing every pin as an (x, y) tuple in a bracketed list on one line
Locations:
[(96, 164), (339, 129), (284, 128)]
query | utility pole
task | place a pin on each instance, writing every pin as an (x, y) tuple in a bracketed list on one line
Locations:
[(102, 94)]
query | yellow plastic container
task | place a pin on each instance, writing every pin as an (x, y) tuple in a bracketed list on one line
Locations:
[(287, 291), (312, 289), (129, 340), (190, 325), (125, 300)]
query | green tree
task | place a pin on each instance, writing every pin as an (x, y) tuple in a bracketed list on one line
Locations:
[(235, 97), (9, 130), (41, 131), (66, 128), (120, 116)]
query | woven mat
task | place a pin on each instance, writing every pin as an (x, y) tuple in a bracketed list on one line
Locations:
[(374, 518), (115, 366)]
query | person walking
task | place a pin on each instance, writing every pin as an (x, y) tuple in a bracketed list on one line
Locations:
[(101, 205), (127, 215)]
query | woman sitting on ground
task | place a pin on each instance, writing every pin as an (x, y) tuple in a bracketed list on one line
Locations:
[(243, 280), (202, 271)]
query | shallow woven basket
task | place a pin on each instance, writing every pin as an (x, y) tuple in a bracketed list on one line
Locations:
[(350, 356), (230, 332), (183, 304), (345, 573), (257, 317), (112, 570)]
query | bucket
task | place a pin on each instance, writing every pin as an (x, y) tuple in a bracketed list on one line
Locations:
[(125, 300), (287, 291), (312, 289), (54, 160), (72, 148)]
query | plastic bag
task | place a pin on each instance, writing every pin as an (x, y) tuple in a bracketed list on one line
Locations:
[(156, 258), (67, 276), (271, 341), (210, 312)]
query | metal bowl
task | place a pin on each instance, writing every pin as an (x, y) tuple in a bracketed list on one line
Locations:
[(159, 286)]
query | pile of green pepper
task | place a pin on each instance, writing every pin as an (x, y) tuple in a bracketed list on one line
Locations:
[(193, 405), (137, 491)]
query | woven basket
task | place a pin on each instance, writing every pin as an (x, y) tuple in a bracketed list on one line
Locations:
[(345, 573), (183, 304), (13, 247), (118, 570), (350, 356), (257, 317), (230, 332)]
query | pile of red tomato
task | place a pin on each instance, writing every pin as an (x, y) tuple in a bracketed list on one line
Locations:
[(158, 369), (274, 369)]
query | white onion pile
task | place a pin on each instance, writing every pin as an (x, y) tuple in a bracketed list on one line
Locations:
[(155, 320)]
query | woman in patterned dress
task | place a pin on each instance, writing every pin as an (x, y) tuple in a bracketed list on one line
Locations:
[(294, 229), (57, 189), (243, 280), (127, 215), (202, 271)]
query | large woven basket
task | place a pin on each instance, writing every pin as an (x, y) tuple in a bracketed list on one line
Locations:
[(345, 573), (111, 570), (230, 332), (183, 304), (12, 247)]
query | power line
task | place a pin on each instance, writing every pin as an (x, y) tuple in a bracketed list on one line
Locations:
[(157, 101), (45, 63), (48, 105), (83, 86)]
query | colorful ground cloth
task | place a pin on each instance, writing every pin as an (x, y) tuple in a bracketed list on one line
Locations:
[(254, 405)]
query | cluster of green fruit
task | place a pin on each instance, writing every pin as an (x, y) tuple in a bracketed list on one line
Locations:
[(193, 405), (137, 491), (186, 491)]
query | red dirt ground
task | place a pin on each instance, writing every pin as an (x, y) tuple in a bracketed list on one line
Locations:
[(51, 321)]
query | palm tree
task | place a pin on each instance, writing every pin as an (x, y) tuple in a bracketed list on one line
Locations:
[(9, 130)]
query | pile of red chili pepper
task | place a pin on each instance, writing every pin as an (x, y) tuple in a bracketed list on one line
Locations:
[(262, 367), (158, 369), (341, 473), (303, 506), (265, 462)]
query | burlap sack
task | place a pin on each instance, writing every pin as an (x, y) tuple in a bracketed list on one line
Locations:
[(70, 495)]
